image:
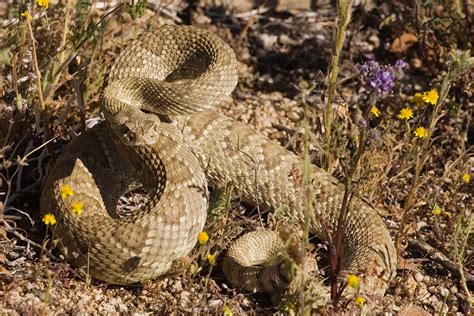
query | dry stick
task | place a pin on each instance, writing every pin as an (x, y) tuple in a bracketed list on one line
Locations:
[(13, 231), (63, 44), (436, 255), (42, 112), (308, 193), (343, 19), (335, 250), (35, 65)]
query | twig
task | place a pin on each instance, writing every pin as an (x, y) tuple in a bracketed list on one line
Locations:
[(35, 65), (343, 19), (437, 256), (12, 230)]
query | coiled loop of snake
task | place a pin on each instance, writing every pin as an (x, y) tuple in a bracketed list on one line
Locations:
[(168, 72), (153, 87)]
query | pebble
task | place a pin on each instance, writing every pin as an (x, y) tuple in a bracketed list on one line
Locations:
[(418, 277), (268, 41), (122, 308), (409, 286), (214, 303), (433, 289), (178, 286), (444, 292), (423, 294), (421, 225), (416, 63), (294, 116), (375, 40), (286, 40)]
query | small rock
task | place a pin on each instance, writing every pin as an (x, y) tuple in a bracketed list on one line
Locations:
[(409, 286), (214, 303), (286, 40), (294, 116), (268, 41), (418, 277), (178, 287), (423, 294), (374, 39), (122, 308), (416, 63), (444, 292), (433, 289), (320, 38), (453, 290), (421, 225)]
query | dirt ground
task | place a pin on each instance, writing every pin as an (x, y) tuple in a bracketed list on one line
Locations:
[(281, 50)]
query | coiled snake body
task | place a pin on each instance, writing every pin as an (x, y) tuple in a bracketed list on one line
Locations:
[(160, 129)]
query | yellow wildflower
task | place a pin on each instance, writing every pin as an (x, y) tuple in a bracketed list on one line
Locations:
[(431, 96), (375, 111), (211, 259), (203, 237), (418, 99), (227, 311), (77, 208), (466, 178), (353, 281), (49, 219), (27, 15), (405, 114), (421, 132), (43, 3), (66, 191), (360, 301), (436, 210)]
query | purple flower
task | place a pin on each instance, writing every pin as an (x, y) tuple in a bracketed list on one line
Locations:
[(381, 78), (400, 64)]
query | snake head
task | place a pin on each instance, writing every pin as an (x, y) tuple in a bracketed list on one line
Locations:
[(141, 133)]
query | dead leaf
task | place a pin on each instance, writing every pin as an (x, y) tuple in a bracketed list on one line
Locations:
[(402, 43)]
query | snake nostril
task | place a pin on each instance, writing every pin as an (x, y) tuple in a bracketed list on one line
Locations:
[(130, 264)]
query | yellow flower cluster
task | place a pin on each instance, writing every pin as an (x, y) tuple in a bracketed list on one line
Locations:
[(436, 210), (375, 111), (418, 99), (430, 97), (360, 301), (203, 238), (227, 311), (353, 281), (77, 207), (43, 3), (211, 259), (421, 132), (49, 219), (27, 15), (466, 178), (66, 191), (405, 114)]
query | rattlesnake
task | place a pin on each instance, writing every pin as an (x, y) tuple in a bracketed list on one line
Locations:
[(161, 130)]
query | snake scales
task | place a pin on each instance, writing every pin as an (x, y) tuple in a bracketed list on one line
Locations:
[(161, 130)]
